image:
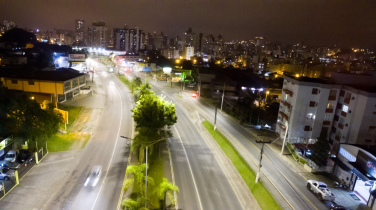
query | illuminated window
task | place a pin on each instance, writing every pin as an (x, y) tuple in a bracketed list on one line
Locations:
[(330, 105), (345, 108)]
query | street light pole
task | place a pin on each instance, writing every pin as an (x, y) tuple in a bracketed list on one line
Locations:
[(215, 117), (223, 94), (146, 178), (284, 139), (259, 166)]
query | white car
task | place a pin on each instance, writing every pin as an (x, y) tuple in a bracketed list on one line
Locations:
[(11, 156), (93, 177), (321, 190)]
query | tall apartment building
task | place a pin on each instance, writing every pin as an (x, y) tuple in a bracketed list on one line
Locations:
[(188, 52), (192, 39), (80, 30), (129, 40), (98, 35), (343, 105)]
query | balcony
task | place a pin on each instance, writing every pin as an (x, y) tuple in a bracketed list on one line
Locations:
[(329, 110), (326, 122), (287, 104), (284, 115), (282, 126), (332, 98), (343, 113), (288, 92), (340, 126)]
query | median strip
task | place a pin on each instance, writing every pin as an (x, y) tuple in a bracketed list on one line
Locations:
[(261, 194)]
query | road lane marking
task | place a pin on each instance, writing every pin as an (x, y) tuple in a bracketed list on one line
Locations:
[(173, 176), (190, 168), (113, 151)]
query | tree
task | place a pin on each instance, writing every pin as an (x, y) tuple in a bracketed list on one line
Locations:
[(136, 82), (138, 177), (320, 150), (167, 188), (137, 204), (23, 117), (144, 89), (154, 113)]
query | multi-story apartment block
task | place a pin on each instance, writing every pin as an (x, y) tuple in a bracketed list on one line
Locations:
[(129, 40), (80, 31), (98, 35), (343, 105)]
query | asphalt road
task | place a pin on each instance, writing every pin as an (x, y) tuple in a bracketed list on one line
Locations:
[(202, 183), (289, 183), (104, 148)]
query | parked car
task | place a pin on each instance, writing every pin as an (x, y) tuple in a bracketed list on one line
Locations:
[(6, 164), (93, 177), (24, 156), (11, 156), (321, 190), (6, 173)]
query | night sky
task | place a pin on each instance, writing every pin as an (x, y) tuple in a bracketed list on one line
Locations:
[(316, 22)]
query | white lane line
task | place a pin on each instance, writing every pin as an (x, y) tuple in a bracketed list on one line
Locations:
[(113, 151), (190, 168)]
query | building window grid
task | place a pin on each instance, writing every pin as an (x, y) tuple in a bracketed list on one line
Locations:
[(347, 155)]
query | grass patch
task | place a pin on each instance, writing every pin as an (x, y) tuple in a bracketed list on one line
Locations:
[(73, 112), (262, 195), (64, 142), (302, 161), (156, 172), (126, 81)]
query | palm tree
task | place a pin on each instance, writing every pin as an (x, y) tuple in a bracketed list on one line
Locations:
[(138, 175), (167, 188), (131, 204)]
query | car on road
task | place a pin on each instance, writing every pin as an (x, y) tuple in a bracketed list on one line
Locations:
[(24, 156), (112, 83), (193, 84), (6, 173), (194, 95), (321, 190), (93, 177), (11, 156), (6, 164)]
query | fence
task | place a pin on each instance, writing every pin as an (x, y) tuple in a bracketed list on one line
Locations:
[(38, 153)]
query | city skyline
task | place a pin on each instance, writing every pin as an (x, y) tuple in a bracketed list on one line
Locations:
[(345, 24)]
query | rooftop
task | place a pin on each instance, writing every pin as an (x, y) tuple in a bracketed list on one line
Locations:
[(62, 74)]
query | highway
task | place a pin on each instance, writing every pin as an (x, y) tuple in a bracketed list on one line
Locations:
[(104, 148), (202, 183), (290, 184)]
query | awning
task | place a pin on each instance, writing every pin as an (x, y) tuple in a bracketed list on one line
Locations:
[(361, 173), (340, 164)]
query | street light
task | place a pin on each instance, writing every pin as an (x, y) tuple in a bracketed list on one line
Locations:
[(146, 173)]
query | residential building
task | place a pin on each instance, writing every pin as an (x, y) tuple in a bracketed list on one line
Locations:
[(129, 40), (343, 105), (80, 31), (188, 52), (98, 35)]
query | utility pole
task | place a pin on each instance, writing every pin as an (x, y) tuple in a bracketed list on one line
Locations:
[(215, 117), (284, 139), (199, 88), (223, 94), (92, 78), (261, 153)]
